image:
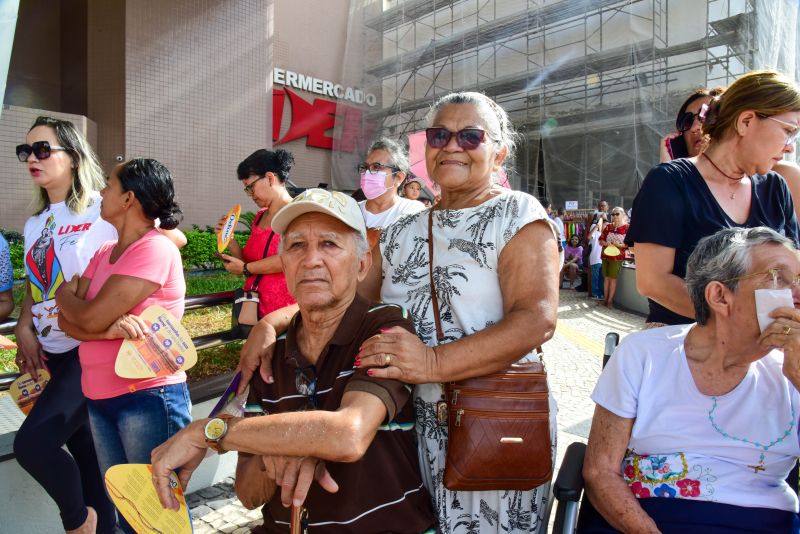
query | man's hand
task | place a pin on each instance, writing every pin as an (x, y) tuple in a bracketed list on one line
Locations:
[(256, 354), (294, 475), (252, 485), (185, 450)]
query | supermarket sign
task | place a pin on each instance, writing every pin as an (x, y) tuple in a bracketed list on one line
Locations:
[(315, 120)]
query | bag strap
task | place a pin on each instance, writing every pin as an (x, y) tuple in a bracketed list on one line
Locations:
[(434, 301), (257, 280)]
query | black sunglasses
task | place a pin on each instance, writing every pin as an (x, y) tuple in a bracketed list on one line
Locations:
[(305, 384), (468, 138), (40, 149), (686, 119)]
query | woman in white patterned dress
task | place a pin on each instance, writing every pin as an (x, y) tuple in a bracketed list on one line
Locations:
[(496, 266)]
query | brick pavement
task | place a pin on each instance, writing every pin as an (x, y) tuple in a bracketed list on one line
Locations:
[(573, 359)]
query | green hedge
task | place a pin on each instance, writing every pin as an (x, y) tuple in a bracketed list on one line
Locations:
[(200, 248), (197, 254)]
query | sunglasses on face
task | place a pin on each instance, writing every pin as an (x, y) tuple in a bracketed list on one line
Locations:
[(468, 138), (40, 149), (616, 214), (686, 121), (375, 167)]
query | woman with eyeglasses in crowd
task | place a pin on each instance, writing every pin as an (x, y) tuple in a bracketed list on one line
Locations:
[(732, 183), (60, 239), (383, 170), (264, 174), (141, 268)]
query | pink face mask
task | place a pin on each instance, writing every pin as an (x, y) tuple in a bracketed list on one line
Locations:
[(373, 184)]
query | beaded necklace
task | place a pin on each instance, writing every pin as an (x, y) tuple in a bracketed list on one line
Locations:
[(757, 444)]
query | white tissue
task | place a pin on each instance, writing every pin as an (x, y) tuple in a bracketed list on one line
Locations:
[(768, 300)]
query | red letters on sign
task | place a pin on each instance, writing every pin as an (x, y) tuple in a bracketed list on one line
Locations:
[(313, 120)]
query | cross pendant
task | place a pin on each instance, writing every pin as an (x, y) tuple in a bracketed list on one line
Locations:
[(757, 468)]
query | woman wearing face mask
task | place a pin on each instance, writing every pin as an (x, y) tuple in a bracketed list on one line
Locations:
[(382, 172)]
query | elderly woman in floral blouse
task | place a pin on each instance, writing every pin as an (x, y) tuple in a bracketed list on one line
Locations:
[(703, 417)]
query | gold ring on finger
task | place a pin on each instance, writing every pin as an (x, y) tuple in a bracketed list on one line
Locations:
[(787, 330), (387, 359)]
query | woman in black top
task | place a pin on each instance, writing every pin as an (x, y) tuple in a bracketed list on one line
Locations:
[(750, 127)]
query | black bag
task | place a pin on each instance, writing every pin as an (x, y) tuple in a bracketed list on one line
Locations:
[(245, 302)]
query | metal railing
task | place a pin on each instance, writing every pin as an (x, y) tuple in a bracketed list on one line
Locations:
[(195, 302)]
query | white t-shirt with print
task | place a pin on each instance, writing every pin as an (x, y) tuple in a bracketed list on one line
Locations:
[(59, 245), (674, 451), (402, 206)]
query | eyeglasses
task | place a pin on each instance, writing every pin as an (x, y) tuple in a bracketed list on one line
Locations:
[(468, 138), (686, 120), (305, 384), (249, 188), (40, 149), (616, 214), (791, 138), (376, 167), (779, 279)]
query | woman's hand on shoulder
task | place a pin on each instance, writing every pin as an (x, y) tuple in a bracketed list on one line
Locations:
[(256, 355), (398, 354)]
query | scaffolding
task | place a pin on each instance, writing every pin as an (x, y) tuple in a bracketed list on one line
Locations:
[(591, 85)]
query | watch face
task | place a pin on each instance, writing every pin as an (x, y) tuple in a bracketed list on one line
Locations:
[(215, 429)]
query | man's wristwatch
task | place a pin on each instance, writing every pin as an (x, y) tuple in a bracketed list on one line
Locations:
[(216, 429), (245, 271)]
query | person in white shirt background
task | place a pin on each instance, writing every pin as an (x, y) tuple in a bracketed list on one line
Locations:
[(382, 172)]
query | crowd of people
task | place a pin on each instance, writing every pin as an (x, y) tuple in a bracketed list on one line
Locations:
[(366, 309)]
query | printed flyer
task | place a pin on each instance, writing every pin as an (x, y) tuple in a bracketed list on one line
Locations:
[(224, 237), (131, 488), (25, 391), (166, 349)]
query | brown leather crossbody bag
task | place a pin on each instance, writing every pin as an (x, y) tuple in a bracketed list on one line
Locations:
[(498, 425)]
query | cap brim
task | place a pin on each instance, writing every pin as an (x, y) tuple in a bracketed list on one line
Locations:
[(293, 210)]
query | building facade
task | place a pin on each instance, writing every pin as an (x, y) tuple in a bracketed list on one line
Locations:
[(591, 85)]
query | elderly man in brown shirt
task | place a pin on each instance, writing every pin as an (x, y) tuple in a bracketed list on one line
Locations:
[(319, 408)]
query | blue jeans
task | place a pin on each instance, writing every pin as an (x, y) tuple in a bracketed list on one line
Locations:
[(127, 428), (597, 280)]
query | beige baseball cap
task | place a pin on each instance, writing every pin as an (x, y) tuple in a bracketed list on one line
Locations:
[(333, 203)]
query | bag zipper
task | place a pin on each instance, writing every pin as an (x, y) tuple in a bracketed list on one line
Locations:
[(496, 394), (499, 415)]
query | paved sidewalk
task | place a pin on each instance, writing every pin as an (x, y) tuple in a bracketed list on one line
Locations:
[(573, 359)]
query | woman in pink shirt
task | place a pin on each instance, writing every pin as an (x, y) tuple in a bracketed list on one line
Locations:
[(129, 417)]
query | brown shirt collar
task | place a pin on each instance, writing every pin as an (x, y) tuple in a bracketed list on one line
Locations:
[(344, 334)]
